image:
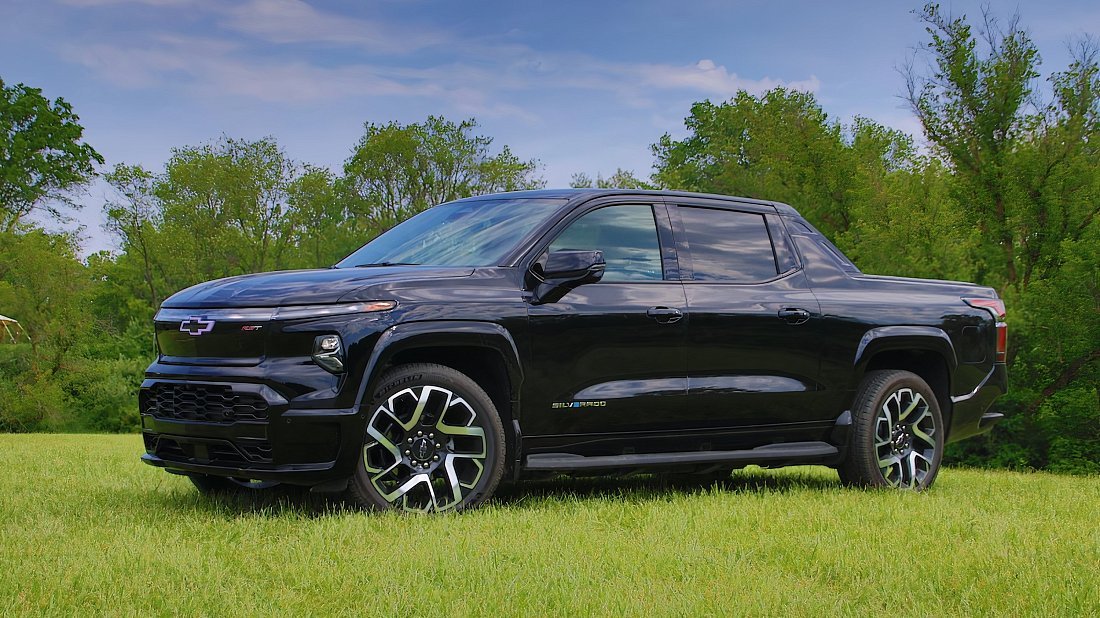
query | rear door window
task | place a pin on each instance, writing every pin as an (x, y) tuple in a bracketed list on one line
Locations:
[(728, 245)]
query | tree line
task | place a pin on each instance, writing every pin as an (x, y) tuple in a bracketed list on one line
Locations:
[(1004, 190)]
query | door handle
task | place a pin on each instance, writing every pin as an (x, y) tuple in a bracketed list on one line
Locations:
[(665, 315), (794, 315)]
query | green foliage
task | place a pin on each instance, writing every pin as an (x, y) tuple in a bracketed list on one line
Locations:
[(225, 207), (399, 170), (100, 394), (45, 287), (621, 179), (42, 157), (1028, 177), (780, 146)]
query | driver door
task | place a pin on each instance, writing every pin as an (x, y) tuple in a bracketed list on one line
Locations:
[(608, 357)]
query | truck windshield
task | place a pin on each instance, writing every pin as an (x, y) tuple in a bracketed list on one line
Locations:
[(465, 233)]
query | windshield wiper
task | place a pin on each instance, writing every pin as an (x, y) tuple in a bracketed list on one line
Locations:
[(386, 264)]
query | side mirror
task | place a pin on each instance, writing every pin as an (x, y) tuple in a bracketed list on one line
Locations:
[(554, 274)]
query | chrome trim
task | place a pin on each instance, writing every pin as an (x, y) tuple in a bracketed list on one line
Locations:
[(220, 315), (977, 388), (264, 314)]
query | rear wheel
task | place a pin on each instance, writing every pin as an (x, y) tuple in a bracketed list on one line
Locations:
[(434, 442), (897, 433)]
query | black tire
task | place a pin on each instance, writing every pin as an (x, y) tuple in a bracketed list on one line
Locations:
[(897, 433), (222, 486), (434, 442)]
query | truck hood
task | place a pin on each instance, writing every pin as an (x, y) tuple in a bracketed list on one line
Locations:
[(300, 287)]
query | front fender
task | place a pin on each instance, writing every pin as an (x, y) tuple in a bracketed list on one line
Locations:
[(443, 333)]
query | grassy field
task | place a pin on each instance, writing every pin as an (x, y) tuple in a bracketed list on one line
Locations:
[(87, 529)]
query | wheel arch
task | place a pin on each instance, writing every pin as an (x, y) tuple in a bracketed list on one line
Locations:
[(923, 350), (484, 351)]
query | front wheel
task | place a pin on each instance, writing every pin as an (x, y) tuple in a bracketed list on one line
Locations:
[(434, 442), (897, 433)]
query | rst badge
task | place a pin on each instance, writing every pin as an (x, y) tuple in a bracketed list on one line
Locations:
[(196, 325)]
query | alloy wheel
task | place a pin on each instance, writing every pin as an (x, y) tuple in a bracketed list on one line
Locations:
[(426, 449), (905, 439)]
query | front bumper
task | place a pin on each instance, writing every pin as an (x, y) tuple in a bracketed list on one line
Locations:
[(969, 416), (245, 430)]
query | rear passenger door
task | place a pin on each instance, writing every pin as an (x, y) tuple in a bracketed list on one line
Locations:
[(755, 330)]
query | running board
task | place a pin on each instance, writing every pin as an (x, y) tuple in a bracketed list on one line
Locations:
[(789, 452)]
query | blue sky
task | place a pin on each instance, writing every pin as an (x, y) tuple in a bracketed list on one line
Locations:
[(581, 86)]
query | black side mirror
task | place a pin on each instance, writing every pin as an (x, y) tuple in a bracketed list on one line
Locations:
[(554, 274)]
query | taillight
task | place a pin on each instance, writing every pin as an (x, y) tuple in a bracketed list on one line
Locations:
[(995, 306)]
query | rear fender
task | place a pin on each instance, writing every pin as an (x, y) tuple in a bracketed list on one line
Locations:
[(904, 338)]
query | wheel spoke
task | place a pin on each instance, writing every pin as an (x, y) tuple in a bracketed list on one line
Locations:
[(887, 468), (925, 437), (920, 463), (403, 489), (915, 400), (912, 478), (380, 440), (925, 413), (883, 435), (886, 417)]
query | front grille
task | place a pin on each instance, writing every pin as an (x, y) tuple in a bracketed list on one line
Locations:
[(211, 403), (242, 452)]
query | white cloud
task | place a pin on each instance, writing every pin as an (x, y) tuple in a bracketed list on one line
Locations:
[(483, 81), (709, 78), (214, 68), (294, 21)]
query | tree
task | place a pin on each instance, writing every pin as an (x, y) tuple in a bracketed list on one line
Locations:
[(399, 170), (134, 217), (621, 179), (780, 146), (42, 156), (1027, 175), (319, 220), (220, 209), (229, 199)]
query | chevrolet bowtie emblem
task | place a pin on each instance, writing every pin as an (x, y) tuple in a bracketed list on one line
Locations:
[(196, 325)]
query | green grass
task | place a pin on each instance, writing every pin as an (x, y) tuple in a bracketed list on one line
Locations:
[(87, 529)]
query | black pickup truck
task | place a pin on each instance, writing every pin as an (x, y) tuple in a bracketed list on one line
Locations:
[(569, 331)]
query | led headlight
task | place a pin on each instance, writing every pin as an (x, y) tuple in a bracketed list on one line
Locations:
[(328, 352)]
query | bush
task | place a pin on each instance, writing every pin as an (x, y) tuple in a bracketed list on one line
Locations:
[(102, 394), (1071, 419), (30, 402), (83, 395)]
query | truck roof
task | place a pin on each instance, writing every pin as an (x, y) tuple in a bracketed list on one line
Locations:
[(592, 193)]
